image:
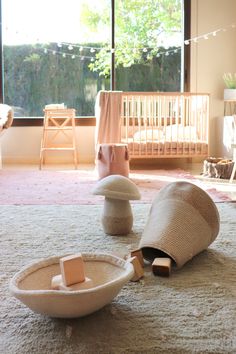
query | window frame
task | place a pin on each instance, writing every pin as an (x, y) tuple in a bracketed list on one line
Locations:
[(90, 121)]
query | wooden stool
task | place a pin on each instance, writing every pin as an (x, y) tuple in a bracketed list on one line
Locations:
[(58, 132)]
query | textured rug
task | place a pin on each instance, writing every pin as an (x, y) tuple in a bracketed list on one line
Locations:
[(192, 311), (46, 187)]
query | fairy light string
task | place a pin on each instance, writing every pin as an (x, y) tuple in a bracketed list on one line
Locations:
[(67, 50)]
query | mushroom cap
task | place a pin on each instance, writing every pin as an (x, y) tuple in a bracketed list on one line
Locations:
[(117, 187)]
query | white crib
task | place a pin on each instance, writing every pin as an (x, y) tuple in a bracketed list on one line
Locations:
[(165, 124)]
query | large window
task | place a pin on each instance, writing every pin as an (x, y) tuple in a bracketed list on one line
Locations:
[(149, 38), (65, 52)]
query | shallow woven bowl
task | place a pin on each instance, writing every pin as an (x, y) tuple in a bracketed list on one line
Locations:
[(32, 286)]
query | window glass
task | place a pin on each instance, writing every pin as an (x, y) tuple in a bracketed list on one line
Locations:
[(149, 39), (47, 49), (62, 54)]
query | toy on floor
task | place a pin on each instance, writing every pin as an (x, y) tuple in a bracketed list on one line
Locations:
[(161, 266), (32, 285), (117, 218), (183, 221), (72, 275), (138, 253), (134, 257), (138, 269)]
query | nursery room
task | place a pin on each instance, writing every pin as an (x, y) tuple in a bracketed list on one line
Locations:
[(117, 176)]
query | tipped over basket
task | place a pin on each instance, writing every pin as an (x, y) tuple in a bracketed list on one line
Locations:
[(183, 221)]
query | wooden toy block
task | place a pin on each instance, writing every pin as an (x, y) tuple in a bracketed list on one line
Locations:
[(72, 269), (138, 269), (161, 266), (138, 253), (57, 284)]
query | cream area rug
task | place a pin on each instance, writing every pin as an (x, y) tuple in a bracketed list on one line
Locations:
[(192, 311)]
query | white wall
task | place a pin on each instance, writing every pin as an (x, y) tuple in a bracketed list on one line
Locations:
[(22, 145), (213, 57), (209, 60)]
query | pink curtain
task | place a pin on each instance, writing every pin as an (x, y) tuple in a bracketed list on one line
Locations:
[(108, 122)]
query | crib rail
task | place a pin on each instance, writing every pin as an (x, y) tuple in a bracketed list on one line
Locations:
[(165, 124)]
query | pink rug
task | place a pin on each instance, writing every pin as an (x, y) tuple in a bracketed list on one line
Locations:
[(46, 187)]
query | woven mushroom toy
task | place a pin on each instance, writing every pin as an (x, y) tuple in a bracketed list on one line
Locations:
[(117, 218)]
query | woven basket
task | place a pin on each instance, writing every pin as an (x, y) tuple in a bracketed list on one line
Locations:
[(183, 221), (32, 286), (218, 168)]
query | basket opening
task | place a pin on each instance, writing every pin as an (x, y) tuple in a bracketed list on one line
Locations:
[(150, 253)]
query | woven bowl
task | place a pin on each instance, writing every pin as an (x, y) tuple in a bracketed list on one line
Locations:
[(32, 286)]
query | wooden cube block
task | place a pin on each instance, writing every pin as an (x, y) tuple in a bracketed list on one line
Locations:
[(72, 269), (57, 284), (138, 269), (138, 253), (162, 266)]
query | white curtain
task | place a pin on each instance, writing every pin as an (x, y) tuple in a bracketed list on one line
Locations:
[(108, 117)]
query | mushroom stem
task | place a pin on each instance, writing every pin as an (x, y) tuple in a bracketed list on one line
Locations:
[(117, 218)]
